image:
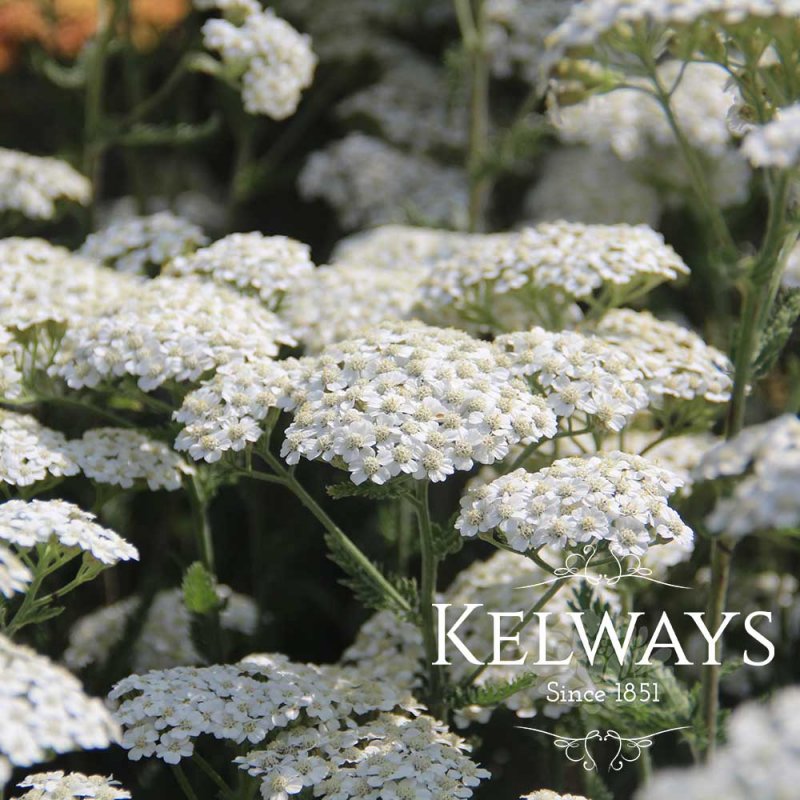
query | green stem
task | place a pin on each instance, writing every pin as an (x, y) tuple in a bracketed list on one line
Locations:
[(214, 775), (518, 628), (760, 291), (288, 480), (93, 104), (202, 529), (690, 156), (170, 83), (427, 597), (473, 34), (759, 294), (721, 557), (183, 782), (69, 402)]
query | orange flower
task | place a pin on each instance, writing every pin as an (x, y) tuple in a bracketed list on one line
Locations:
[(63, 26)]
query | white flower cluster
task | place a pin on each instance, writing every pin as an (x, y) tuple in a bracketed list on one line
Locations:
[(45, 710), (225, 412), (32, 185), (121, 457), (516, 32), (399, 247), (768, 455), (265, 266), (553, 197), (568, 257), (14, 575), (165, 638), (412, 106), (388, 649), (546, 794), (589, 21), (26, 524), (369, 182), (391, 756), (631, 122), (676, 362), (776, 144), (411, 399), (29, 451), (579, 373), (142, 245), (11, 361), (615, 498), (761, 758), (338, 301), (163, 711), (274, 62), (43, 282), (791, 273), (72, 786), (169, 329)]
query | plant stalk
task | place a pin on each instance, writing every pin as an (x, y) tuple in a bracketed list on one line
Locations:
[(473, 33), (427, 597), (288, 480), (759, 295)]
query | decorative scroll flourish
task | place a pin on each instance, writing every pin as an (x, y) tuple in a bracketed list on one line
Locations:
[(578, 565), (578, 749)]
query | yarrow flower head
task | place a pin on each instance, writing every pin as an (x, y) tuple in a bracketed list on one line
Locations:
[(579, 373), (594, 23), (45, 710), (515, 34), (26, 524), (225, 413), (14, 576), (12, 357), (338, 301), (165, 638), (170, 329), (44, 283), (369, 182), (760, 759), (676, 362), (30, 452), (410, 399), (33, 185), (632, 124), (164, 711), (272, 61), (413, 105), (390, 756), (553, 197), (392, 650), (142, 245), (399, 247), (554, 263), (122, 457), (615, 500), (777, 143), (768, 456), (72, 786), (547, 794), (264, 266)]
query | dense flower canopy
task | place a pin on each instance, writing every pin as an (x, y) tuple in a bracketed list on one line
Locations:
[(615, 499), (32, 185), (411, 399), (45, 709)]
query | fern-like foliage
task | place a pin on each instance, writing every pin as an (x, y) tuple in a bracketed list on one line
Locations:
[(369, 591)]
